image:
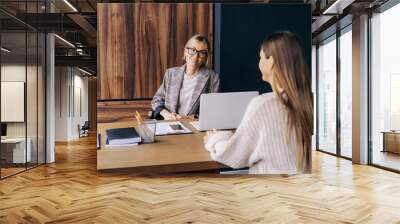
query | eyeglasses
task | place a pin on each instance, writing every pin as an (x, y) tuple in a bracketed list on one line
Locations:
[(192, 51)]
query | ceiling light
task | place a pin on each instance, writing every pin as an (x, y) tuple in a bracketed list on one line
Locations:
[(70, 5), (84, 71), (338, 6), (64, 40), (5, 50)]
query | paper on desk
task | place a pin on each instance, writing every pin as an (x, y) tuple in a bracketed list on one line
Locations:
[(164, 128)]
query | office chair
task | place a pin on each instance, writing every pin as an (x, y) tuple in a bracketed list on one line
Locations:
[(84, 130)]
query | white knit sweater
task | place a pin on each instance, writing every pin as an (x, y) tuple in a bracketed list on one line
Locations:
[(261, 141)]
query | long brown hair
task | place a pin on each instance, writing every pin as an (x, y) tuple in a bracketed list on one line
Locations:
[(291, 81)]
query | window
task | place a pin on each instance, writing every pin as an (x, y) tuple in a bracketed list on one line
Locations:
[(327, 96), (385, 88), (346, 92)]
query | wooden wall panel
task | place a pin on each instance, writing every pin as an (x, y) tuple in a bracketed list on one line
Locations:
[(116, 51), (92, 99), (138, 42)]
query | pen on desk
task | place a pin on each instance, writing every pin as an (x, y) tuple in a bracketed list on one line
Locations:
[(138, 117), (98, 142), (143, 129)]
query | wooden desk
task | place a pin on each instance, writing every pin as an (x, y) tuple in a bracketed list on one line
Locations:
[(169, 154)]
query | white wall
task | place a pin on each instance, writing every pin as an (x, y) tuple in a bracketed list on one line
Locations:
[(81, 83), (13, 72), (70, 83), (62, 82)]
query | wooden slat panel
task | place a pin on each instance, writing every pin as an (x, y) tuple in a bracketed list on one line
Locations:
[(121, 110), (116, 51), (138, 42), (92, 86)]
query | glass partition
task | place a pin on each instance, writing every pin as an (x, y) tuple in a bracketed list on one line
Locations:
[(346, 93), (327, 96), (385, 89), (13, 94), (32, 72), (41, 96), (22, 77), (31, 97)]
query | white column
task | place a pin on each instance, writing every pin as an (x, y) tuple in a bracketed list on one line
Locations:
[(50, 94), (360, 90)]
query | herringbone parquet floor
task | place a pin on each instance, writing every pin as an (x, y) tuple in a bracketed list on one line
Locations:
[(70, 191)]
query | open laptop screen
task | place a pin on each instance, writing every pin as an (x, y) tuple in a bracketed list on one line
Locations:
[(223, 110)]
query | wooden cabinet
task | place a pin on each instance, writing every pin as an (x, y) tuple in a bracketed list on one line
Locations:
[(13, 151), (391, 142)]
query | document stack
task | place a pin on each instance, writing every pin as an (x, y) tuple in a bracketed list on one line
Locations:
[(122, 137)]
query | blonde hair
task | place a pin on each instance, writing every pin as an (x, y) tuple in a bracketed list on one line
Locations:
[(198, 38), (292, 77)]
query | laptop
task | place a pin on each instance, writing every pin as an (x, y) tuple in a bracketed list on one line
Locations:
[(222, 110)]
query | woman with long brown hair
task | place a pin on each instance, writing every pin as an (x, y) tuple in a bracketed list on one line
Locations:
[(274, 136)]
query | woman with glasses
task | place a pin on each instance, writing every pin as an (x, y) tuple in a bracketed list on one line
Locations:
[(274, 136), (179, 93)]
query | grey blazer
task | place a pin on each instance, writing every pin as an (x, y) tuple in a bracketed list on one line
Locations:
[(167, 96)]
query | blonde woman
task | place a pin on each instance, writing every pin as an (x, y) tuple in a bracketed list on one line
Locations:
[(179, 93), (274, 136)]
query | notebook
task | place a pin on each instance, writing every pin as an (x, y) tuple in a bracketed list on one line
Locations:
[(108, 146), (122, 136)]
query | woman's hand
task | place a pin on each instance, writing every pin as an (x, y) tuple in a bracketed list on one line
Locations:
[(209, 134), (189, 117), (170, 116)]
